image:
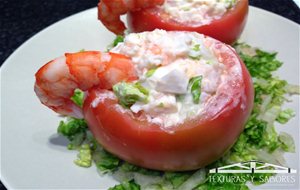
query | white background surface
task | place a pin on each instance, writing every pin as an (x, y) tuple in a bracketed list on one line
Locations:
[(32, 156)]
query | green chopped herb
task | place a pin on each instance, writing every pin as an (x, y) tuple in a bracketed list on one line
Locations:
[(141, 88), (195, 53), (196, 47), (195, 86), (129, 93), (150, 72), (209, 62), (186, 8), (231, 3), (161, 105), (197, 57), (118, 40)]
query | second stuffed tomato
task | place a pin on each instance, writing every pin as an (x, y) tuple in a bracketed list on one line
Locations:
[(221, 19), (188, 107)]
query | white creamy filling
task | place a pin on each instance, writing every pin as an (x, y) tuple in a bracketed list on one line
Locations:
[(196, 12), (177, 57)]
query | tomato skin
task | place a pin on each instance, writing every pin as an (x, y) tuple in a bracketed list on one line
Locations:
[(190, 145), (226, 29)]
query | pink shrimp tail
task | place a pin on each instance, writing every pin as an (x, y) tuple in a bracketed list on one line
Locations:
[(109, 12), (57, 80)]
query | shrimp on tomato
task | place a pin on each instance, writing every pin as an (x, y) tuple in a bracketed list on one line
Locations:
[(57, 80), (109, 11)]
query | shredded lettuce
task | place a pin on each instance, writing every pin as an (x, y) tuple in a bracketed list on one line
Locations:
[(287, 142), (126, 185), (127, 167), (195, 179), (260, 65), (84, 156), (259, 140), (177, 178), (78, 96), (293, 89), (285, 115), (73, 129), (105, 161)]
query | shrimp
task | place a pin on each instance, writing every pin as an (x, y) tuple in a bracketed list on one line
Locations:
[(57, 80), (109, 12)]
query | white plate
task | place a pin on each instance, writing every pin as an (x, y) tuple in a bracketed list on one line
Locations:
[(31, 154)]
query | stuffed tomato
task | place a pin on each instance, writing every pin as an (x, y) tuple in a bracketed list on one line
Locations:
[(187, 106), (221, 19)]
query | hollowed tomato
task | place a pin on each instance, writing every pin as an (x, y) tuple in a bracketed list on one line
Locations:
[(189, 145), (226, 29)]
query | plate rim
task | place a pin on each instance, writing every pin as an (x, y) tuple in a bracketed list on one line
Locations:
[(5, 64)]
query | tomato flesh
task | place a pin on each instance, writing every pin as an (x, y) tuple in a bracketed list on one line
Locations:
[(226, 29), (189, 145)]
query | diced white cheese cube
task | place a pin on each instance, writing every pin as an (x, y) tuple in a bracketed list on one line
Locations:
[(175, 81)]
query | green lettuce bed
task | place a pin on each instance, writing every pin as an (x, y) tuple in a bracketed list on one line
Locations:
[(259, 140)]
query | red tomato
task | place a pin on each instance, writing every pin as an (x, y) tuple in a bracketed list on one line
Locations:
[(226, 29), (190, 145)]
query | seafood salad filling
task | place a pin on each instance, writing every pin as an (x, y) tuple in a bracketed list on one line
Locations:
[(180, 75), (196, 12)]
